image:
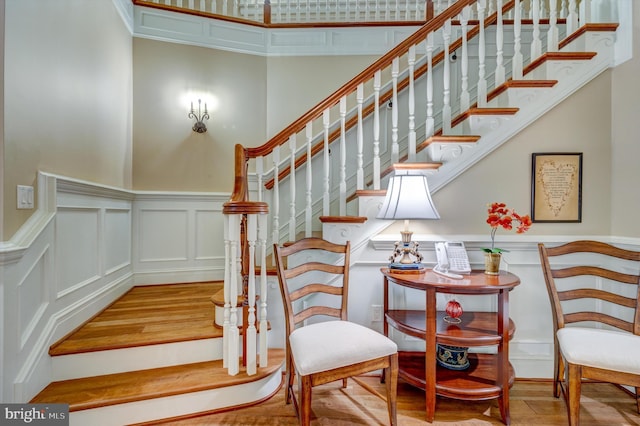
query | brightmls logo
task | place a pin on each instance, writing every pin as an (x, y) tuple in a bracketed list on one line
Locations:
[(34, 414)]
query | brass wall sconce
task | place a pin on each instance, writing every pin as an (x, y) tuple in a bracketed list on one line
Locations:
[(199, 125)]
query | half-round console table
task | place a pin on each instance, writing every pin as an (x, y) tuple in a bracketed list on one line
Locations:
[(488, 375)]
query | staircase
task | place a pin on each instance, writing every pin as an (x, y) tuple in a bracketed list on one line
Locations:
[(152, 357)]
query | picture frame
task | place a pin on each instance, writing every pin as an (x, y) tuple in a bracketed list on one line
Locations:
[(556, 187)]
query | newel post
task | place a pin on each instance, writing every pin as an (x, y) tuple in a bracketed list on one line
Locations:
[(244, 229)]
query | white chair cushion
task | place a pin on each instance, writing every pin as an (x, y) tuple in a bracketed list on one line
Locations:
[(332, 344), (607, 349)]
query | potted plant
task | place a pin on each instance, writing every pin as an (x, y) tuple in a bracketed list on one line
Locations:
[(499, 216)]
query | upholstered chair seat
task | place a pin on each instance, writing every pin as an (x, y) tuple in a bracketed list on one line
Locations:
[(607, 349), (334, 344)]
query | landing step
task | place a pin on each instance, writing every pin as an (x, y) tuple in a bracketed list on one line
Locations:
[(111, 389)]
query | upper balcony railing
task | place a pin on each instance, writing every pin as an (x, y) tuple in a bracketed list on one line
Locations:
[(283, 13)]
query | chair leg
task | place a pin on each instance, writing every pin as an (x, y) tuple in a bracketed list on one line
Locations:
[(305, 400), (638, 399), (574, 377), (391, 382), (344, 383), (290, 377), (557, 373)]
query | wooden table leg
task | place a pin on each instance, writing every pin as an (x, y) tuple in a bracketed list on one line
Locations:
[(430, 354)]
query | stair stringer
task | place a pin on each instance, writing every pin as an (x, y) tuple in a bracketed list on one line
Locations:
[(493, 130)]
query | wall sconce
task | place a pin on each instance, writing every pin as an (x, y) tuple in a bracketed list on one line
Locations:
[(199, 125)]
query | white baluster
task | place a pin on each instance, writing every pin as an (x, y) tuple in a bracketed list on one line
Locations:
[(490, 8), (552, 34), (376, 130), (360, 131), (252, 235), (292, 187), (224, 7), (482, 82), (446, 83), (564, 11), (536, 43), (465, 101), (412, 104), (342, 199), (233, 362), (275, 204), (262, 241), (395, 149), (214, 6), (517, 61), (500, 71), (430, 122), (260, 176), (226, 291), (309, 200), (327, 167)]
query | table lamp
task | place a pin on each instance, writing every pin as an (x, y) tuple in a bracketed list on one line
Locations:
[(407, 198)]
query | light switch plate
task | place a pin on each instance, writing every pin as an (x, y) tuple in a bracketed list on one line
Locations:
[(25, 197)]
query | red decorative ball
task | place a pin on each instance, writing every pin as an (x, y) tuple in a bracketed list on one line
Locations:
[(454, 309)]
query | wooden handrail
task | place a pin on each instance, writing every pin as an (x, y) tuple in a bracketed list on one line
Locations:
[(368, 73), (384, 97)]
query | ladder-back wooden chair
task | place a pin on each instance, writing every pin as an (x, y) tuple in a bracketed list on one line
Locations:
[(329, 348), (597, 285)]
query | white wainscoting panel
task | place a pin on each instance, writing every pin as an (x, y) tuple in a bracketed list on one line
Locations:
[(117, 238), (77, 248), (178, 237)]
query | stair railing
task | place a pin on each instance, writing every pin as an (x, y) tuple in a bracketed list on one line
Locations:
[(297, 13), (357, 108)]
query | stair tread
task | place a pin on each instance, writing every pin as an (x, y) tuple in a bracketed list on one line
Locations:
[(119, 388), (147, 315)]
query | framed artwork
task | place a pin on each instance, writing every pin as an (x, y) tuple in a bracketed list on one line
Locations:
[(556, 187)]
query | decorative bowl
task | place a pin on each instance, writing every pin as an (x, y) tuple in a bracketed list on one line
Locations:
[(452, 357)]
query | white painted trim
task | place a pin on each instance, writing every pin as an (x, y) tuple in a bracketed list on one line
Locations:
[(172, 406), (213, 33)]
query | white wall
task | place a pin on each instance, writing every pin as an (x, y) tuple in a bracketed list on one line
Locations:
[(68, 96)]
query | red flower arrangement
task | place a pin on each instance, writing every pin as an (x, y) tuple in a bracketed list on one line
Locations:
[(501, 216)]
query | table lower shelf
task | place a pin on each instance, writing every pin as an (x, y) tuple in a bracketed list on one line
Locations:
[(478, 382)]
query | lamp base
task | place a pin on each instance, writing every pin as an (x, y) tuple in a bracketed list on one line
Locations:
[(407, 268)]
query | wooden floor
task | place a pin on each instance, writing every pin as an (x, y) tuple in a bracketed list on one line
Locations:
[(168, 313), (532, 404)]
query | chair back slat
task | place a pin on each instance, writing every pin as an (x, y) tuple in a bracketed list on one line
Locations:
[(313, 266), (601, 318), (587, 293), (597, 272), (316, 310)]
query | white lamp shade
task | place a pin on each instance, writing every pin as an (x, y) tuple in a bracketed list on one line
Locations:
[(408, 197)]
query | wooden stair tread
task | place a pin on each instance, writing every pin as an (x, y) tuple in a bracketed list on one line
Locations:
[(111, 389), (146, 315)]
